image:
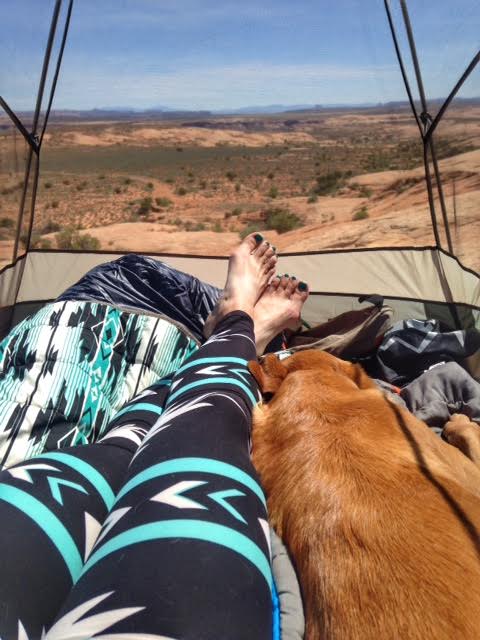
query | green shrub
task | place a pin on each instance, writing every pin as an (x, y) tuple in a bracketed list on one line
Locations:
[(51, 227), (48, 185), (250, 228), (169, 180), (149, 186), (145, 206), (361, 214), (117, 190), (329, 183), (231, 175), (312, 198), (7, 223), (127, 181), (217, 227), (70, 238), (163, 202), (181, 191), (199, 227), (271, 175), (101, 176), (282, 220), (273, 192), (55, 204)]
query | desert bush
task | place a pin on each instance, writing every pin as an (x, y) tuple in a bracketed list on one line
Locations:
[(163, 202), (250, 228), (282, 220), (312, 198), (217, 227), (364, 192), (329, 183), (145, 206), (181, 191), (199, 227), (271, 175), (51, 227), (48, 185), (231, 175), (70, 238), (54, 204), (361, 214), (7, 190), (66, 181), (169, 180), (81, 185), (101, 176), (7, 223), (273, 192), (149, 186), (117, 190), (127, 181), (238, 186), (403, 184)]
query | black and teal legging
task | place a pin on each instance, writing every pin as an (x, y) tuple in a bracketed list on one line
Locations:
[(158, 531)]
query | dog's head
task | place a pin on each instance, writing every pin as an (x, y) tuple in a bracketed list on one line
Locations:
[(328, 371)]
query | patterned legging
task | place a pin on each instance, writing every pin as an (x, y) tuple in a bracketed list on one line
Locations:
[(157, 531)]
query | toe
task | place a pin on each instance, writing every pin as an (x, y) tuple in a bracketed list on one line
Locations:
[(270, 263), (261, 249), (275, 283), (252, 241), (291, 286), (302, 290), (268, 253), (283, 282)]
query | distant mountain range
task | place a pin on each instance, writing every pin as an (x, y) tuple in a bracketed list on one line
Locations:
[(167, 113)]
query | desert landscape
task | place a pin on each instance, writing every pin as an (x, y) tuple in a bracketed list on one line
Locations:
[(313, 180)]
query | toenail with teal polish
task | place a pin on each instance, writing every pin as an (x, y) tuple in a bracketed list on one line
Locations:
[(258, 237), (286, 275), (294, 277), (302, 286)]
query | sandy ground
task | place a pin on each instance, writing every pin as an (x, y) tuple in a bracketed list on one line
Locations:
[(397, 203)]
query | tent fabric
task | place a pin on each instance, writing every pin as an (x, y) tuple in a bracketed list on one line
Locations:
[(147, 285), (413, 274), (66, 370)]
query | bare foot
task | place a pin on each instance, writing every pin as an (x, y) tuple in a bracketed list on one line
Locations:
[(463, 433), (251, 266), (278, 308)]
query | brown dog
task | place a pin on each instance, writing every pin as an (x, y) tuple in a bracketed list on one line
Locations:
[(381, 517)]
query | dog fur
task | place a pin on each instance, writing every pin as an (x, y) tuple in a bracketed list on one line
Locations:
[(381, 517)]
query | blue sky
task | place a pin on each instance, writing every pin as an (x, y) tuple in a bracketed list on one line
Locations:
[(214, 54)]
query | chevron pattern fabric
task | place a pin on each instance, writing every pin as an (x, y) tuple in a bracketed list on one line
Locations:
[(67, 369)]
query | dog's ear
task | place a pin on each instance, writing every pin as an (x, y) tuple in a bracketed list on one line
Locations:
[(361, 379), (269, 374)]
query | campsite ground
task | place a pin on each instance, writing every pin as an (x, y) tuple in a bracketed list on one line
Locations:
[(315, 180)]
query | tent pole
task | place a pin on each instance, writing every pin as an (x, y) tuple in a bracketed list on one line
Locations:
[(402, 66), (33, 134), (427, 120), (453, 93), (440, 193)]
